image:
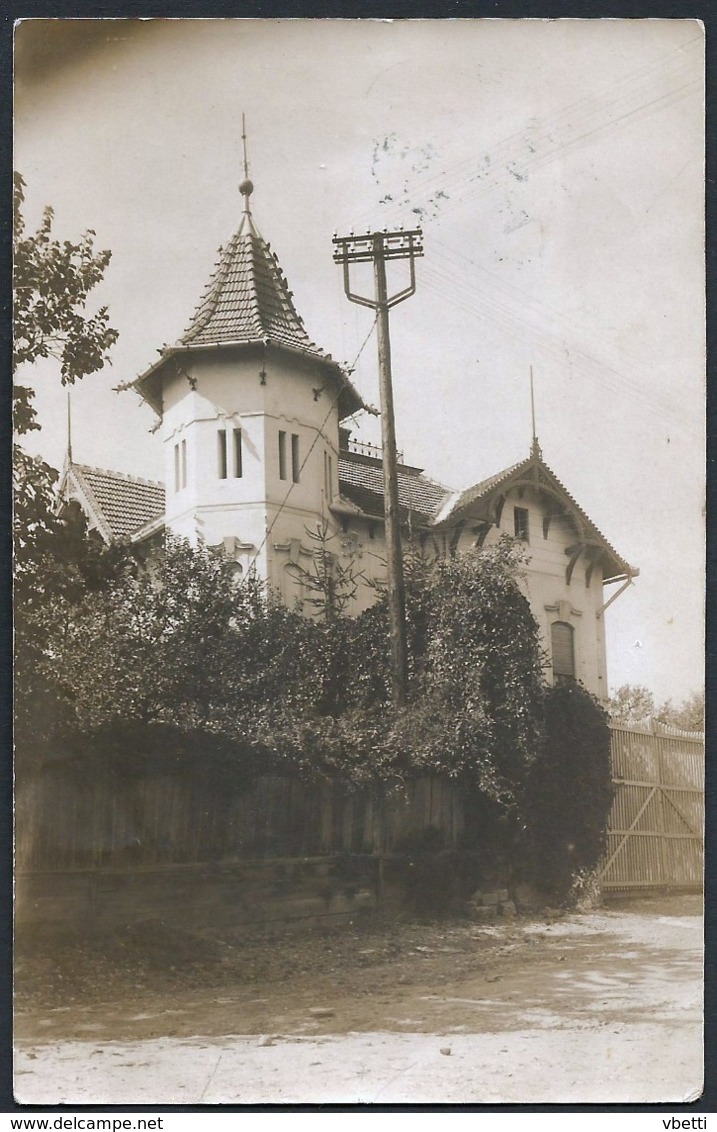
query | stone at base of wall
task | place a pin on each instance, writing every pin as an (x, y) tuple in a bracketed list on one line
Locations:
[(481, 913)]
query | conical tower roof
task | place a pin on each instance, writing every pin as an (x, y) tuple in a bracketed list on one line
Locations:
[(247, 302)]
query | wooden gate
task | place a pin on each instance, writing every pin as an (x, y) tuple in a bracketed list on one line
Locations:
[(656, 827)]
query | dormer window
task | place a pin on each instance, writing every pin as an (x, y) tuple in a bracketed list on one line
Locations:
[(520, 523)]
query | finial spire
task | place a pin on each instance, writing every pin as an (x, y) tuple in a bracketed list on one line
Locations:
[(246, 188), (535, 447)]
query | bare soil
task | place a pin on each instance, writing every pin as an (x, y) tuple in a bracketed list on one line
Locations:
[(153, 982), (557, 991)]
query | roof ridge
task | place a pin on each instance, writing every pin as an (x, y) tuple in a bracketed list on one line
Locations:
[(472, 494), (119, 475), (210, 296), (409, 470), (583, 513)]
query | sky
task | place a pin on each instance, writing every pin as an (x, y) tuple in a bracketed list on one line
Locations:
[(556, 170)]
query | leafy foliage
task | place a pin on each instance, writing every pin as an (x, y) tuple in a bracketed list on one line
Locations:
[(475, 706), (568, 791), (331, 583), (183, 644), (688, 716), (633, 704), (55, 563), (52, 281), (180, 667)]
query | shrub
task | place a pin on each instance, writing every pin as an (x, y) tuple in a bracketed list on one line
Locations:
[(568, 792)]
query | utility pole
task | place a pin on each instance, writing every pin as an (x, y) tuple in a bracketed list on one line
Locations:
[(377, 248)]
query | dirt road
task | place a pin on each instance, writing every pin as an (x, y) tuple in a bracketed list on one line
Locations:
[(598, 1007)]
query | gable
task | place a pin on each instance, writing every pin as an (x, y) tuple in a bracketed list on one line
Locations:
[(482, 505), (117, 505)]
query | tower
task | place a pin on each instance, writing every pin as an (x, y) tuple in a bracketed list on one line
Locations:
[(250, 409)]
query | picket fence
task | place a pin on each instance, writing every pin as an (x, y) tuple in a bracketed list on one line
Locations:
[(656, 826)]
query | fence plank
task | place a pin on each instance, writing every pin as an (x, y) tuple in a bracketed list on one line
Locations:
[(655, 830)]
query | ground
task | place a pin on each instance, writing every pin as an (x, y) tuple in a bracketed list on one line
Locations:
[(596, 1006)]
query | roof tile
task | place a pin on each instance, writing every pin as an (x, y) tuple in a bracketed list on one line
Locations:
[(248, 299), (361, 481), (126, 503)]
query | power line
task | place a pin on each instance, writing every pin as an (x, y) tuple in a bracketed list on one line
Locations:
[(319, 433), (588, 107), (546, 334), (493, 312)]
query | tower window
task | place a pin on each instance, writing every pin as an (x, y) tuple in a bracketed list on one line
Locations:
[(562, 641), (329, 476), (295, 461), (520, 523), (222, 453), (238, 464), (282, 455)]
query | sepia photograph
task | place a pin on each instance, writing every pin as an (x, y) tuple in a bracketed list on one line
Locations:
[(359, 561)]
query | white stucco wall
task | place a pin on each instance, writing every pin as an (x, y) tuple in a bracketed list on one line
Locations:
[(546, 587), (224, 392)]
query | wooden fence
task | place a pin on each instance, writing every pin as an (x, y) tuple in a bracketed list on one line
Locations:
[(67, 822), (656, 827), (70, 822)]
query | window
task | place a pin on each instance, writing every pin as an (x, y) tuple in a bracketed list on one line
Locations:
[(520, 523), (282, 455), (295, 462), (184, 463), (238, 469), (176, 467), (222, 453), (563, 649)]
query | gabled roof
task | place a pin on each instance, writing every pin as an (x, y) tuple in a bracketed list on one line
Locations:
[(127, 507), (117, 504), (361, 482), (483, 498), (247, 302)]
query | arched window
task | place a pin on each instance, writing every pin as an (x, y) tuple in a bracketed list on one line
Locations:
[(562, 641)]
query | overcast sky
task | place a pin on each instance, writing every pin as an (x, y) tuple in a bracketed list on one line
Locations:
[(556, 170)]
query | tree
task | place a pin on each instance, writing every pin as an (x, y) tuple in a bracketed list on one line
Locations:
[(475, 703), (331, 584), (689, 716), (567, 792), (53, 559), (635, 705), (632, 704), (482, 662), (52, 282), (181, 642)]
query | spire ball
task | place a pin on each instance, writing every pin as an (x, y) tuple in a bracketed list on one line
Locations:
[(246, 188)]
